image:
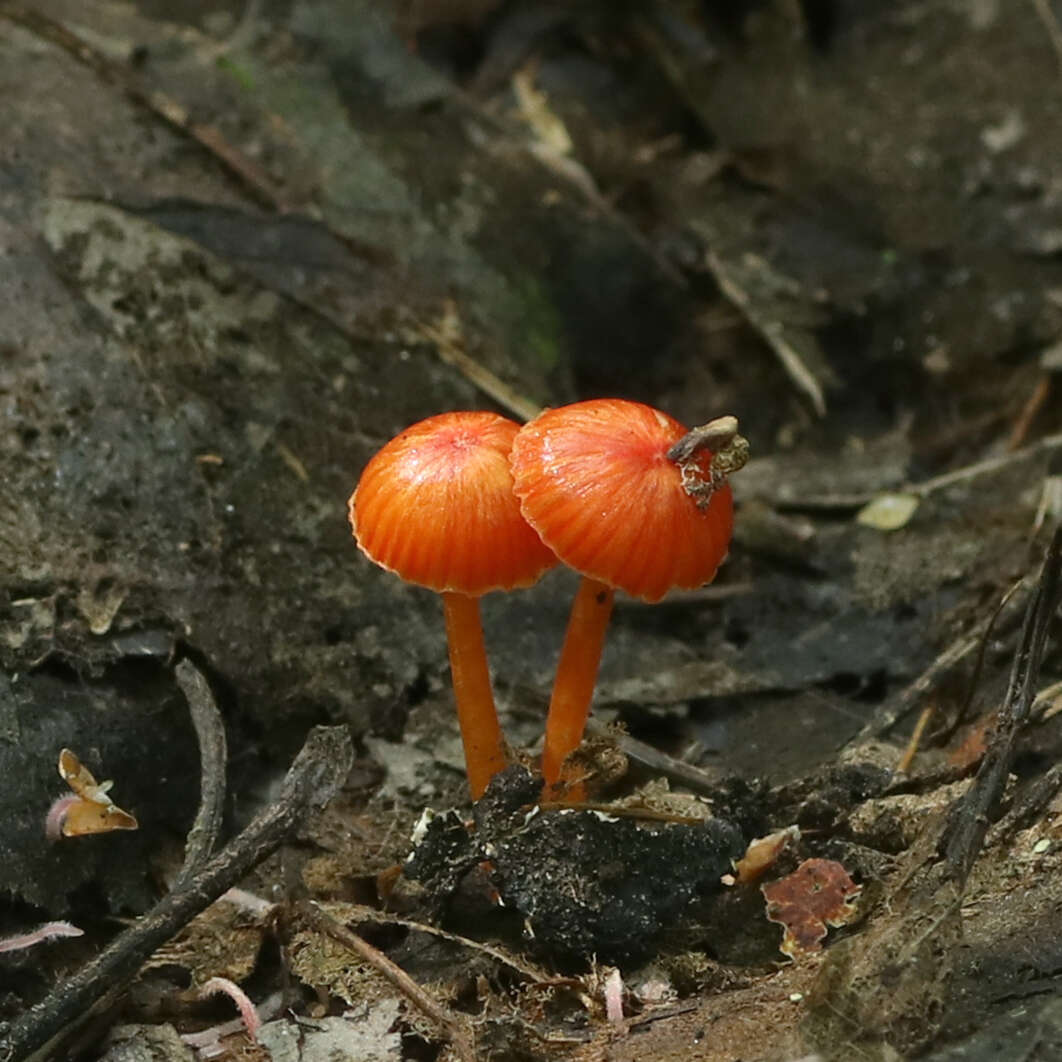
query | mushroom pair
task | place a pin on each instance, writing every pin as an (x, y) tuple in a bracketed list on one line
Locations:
[(465, 503)]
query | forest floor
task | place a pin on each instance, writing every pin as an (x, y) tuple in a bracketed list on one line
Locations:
[(242, 244)]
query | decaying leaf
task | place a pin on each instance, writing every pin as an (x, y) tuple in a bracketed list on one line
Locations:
[(971, 750), (889, 511), (224, 941), (819, 893), (762, 853), (90, 810)]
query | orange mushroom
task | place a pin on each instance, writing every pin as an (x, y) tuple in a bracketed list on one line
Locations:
[(436, 507), (627, 497)]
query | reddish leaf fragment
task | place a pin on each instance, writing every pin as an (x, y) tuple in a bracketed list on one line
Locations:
[(970, 753), (819, 893)]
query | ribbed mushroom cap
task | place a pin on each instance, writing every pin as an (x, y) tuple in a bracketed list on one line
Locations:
[(436, 506), (594, 481)]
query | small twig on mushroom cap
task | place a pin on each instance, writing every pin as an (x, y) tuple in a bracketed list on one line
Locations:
[(729, 450)]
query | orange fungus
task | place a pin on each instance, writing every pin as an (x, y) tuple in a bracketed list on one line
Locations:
[(626, 496), (594, 479), (436, 506)]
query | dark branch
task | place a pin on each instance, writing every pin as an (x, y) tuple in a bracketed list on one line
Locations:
[(213, 754), (970, 818)]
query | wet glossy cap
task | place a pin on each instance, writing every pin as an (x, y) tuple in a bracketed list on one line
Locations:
[(436, 506), (595, 482)]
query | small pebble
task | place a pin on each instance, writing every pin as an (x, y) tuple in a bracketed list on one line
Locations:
[(1041, 846)]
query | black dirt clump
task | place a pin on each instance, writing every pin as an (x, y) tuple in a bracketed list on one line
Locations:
[(586, 883)]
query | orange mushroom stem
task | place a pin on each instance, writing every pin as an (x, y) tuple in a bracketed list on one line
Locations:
[(626, 496), (436, 507), (481, 734), (573, 688)]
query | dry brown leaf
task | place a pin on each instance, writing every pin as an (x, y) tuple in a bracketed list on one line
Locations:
[(762, 853)]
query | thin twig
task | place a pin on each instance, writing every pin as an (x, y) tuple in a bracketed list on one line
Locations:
[(893, 710), (803, 501), (1032, 405), (447, 335), (896, 708), (456, 1030), (638, 814), (1048, 703), (982, 468), (772, 332), (1029, 807), (173, 113), (314, 778), (213, 755), (979, 664), (382, 918), (1054, 31), (693, 778), (971, 815), (904, 763)]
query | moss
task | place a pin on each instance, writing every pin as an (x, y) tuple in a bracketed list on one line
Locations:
[(541, 323), (239, 73)]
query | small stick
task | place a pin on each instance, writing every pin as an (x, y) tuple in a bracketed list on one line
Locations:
[(981, 468), (909, 753), (729, 450), (532, 973), (1033, 404), (772, 333), (975, 677), (1054, 32), (447, 335), (636, 813), (239, 165), (696, 779), (1029, 807), (890, 713), (1048, 703), (210, 730), (856, 499), (971, 815), (314, 778), (456, 1031)]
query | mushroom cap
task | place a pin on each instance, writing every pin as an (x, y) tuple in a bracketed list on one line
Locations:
[(595, 482), (436, 506)]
